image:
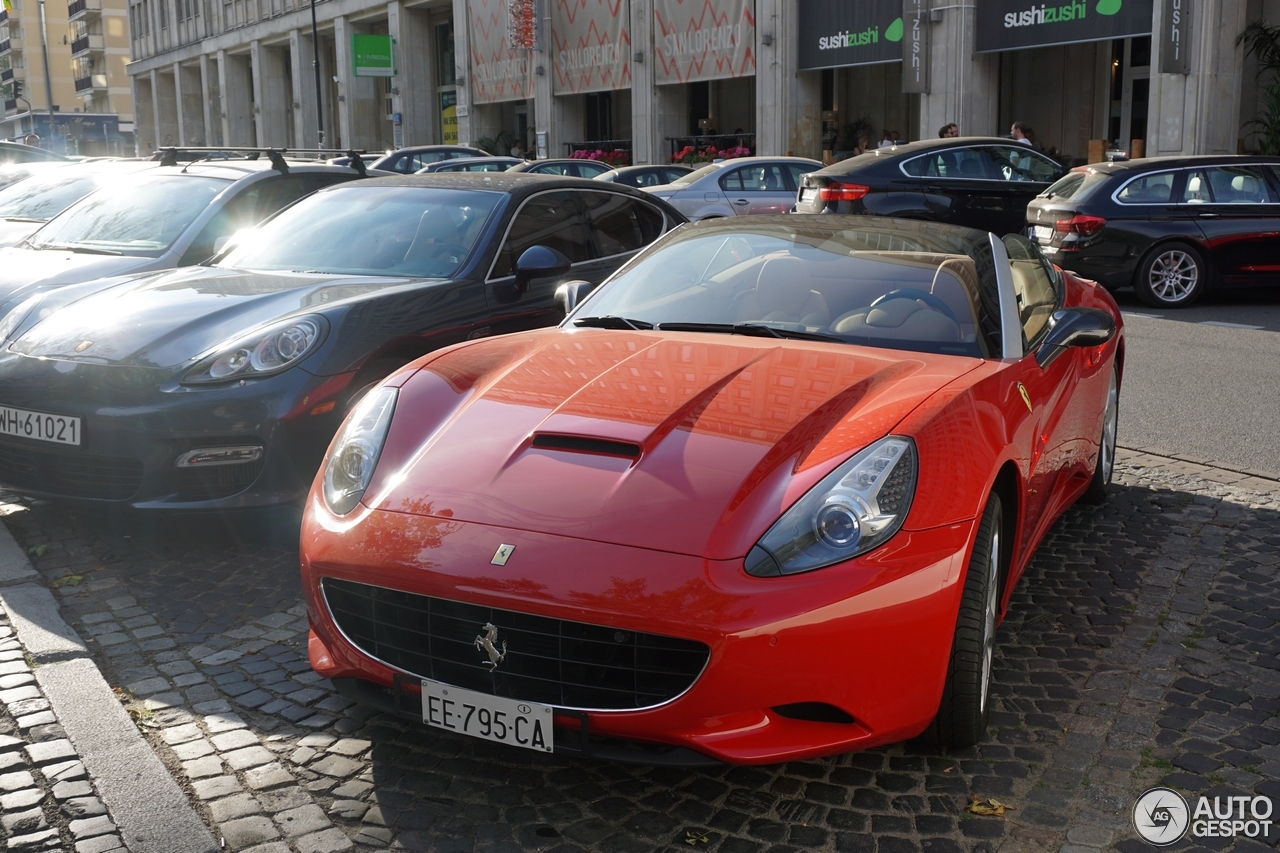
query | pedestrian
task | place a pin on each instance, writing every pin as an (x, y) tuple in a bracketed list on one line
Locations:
[(893, 137), (949, 131), (1019, 132), (517, 150), (886, 140), (32, 139)]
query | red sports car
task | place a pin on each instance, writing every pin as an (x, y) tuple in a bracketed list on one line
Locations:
[(762, 496)]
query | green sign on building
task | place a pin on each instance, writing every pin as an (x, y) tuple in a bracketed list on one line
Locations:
[(371, 56)]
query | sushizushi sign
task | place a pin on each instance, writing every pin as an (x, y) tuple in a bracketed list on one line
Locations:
[(1014, 24), (836, 33)]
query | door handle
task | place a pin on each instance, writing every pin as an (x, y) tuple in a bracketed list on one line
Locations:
[(1207, 215), (741, 201)]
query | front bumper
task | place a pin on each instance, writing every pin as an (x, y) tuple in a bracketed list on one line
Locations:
[(870, 637), (136, 422)]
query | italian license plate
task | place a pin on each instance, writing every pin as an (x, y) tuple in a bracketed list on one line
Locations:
[(808, 194), (509, 721), (1043, 232), (59, 429)]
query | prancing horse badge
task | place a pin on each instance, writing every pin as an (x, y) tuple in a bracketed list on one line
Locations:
[(501, 556), (1026, 398)]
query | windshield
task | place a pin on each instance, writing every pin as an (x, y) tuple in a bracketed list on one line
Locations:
[(142, 221), (847, 286), (43, 196), (685, 180), (1076, 184), (415, 232)]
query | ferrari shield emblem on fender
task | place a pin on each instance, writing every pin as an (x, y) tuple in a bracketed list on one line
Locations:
[(501, 556), (1026, 398)]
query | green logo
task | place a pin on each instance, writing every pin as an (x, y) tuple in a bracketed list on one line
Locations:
[(894, 32), (1108, 7)]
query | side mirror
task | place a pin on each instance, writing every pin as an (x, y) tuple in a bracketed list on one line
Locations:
[(569, 294), (1075, 327), (539, 262)]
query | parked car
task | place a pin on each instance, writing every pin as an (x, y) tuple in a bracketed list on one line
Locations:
[(977, 182), (737, 187), (30, 203), (406, 161), (11, 173), (763, 496), (219, 387), (367, 159), (645, 176), (167, 217), (471, 164), (16, 152), (1172, 227), (567, 166)]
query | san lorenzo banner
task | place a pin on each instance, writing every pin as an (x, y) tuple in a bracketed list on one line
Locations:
[(1014, 24), (701, 40), (590, 45), (498, 73), (837, 33)]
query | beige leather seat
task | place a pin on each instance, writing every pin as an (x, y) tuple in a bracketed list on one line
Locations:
[(784, 294), (900, 318)]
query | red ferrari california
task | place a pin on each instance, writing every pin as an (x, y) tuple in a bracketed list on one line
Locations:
[(762, 496)]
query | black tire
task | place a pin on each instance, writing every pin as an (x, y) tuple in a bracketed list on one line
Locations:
[(1172, 275), (962, 716), (1101, 482)]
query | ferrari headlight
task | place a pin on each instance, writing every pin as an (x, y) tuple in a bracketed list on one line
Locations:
[(852, 510), (263, 353), (354, 456)]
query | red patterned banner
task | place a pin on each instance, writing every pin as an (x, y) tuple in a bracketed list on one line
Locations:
[(703, 39), (590, 45), (498, 73)]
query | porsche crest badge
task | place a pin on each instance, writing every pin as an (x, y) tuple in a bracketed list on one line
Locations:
[(501, 556), (83, 345), (1026, 398)]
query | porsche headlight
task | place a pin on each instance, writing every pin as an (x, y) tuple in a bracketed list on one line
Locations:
[(852, 510), (354, 456), (263, 353)]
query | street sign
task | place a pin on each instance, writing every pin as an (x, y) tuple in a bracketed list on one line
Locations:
[(372, 55)]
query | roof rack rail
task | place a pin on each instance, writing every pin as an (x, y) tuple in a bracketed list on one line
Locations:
[(169, 154)]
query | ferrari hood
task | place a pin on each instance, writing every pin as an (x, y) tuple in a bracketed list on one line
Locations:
[(167, 319), (690, 443), (21, 267)]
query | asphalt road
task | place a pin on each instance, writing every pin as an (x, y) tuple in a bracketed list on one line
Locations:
[(1196, 388)]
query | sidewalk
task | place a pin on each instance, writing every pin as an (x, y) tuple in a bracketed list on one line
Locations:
[(1141, 648)]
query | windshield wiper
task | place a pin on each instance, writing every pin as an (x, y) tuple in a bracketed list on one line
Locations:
[(611, 322), (23, 219), (80, 250), (758, 330)]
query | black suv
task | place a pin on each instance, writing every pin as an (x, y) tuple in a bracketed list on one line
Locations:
[(980, 182), (1172, 227)]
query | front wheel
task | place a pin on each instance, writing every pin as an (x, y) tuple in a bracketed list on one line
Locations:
[(1101, 482), (1173, 275), (962, 716)]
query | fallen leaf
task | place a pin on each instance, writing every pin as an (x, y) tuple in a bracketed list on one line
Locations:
[(69, 580), (38, 551), (989, 806), (693, 838)]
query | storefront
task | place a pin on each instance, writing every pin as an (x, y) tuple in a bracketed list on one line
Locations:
[(591, 57), (502, 42)]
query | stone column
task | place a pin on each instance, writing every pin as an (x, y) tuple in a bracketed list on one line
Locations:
[(788, 104), (211, 100), (235, 87), (964, 86), (180, 118), (544, 108), (413, 91), (302, 55), (144, 114), (192, 127), (271, 101), (164, 98), (646, 126), (342, 41)]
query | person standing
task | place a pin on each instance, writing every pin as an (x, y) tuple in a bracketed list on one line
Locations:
[(949, 131), (886, 140), (1019, 132)]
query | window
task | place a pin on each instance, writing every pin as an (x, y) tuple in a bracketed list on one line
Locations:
[(1022, 164), (550, 219), (1239, 185), (622, 224), (755, 179), (798, 170), (967, 163), (1156, 188), (1196, 189), (1033, 286)]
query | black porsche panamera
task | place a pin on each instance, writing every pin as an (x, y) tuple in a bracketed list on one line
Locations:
[(219, 386)]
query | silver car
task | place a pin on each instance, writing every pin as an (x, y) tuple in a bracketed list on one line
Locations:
[(29, 203), (738, 187)]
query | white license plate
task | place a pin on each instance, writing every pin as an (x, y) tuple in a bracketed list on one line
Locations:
[(808, 194), (1043, 232), (526, 724), (59, 429)]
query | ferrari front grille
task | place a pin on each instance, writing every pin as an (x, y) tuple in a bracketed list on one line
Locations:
[(69, 474), (552, 661)]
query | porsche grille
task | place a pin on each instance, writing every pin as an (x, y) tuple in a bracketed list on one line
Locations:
[(72, 475), (553, 661)]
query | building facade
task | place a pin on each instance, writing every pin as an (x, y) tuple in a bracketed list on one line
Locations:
[(85, 105), (652, 78)]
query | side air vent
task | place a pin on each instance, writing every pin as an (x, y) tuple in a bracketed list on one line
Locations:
[(814, 712), (581, 444)]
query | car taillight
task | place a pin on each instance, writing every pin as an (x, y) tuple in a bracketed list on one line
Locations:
[(843, 192), (1080, 224)]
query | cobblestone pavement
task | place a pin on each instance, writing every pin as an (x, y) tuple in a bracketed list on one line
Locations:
[(1141, 647)]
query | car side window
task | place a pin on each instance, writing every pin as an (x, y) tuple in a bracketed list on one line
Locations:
[(962, 163), (1034, 286), (1196, 189), (551, 219), (622, 224), (755, 179), (796, 171), (1156, 188), (1239, 185), (1022, 164)]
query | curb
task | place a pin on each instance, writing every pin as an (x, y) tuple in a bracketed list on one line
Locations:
[(151, 812), (1231, 475)]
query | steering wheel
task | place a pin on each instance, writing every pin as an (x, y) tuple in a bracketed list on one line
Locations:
[(929, 299)]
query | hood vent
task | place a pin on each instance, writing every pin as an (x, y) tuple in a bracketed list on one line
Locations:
[(582, 444)]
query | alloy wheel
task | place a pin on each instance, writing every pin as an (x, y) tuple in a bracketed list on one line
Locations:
[(1109, 423), (1173, 276), (989, 619)]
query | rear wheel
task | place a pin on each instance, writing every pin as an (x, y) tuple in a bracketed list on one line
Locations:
[(1173, 275), (962, 716), (1101, 482)]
